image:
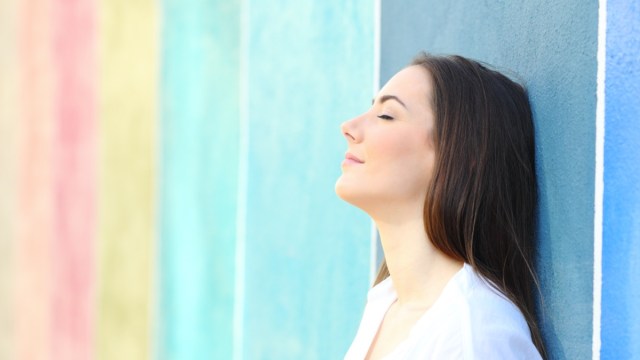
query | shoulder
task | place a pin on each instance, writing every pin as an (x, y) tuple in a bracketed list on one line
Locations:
[(491, 325), (471, 320)]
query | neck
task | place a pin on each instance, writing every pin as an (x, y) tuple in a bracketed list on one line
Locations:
[(418, 270)]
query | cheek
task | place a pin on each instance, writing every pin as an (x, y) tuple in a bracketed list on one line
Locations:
[(403, 162), (398, 153)]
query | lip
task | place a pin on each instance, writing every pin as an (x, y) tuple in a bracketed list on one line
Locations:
[(349, 158)]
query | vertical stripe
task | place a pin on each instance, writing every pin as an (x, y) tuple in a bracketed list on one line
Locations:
[(74, 178), (620, 324), (243, 162), (307, 252), (9, 132), (377, 23), (128, 44), (199, 124), (599, 177), (34, 195), (376, 252), (377, 29)]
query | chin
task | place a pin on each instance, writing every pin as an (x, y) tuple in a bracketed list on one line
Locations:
[(344, 190), (340, 189), (352, 194)]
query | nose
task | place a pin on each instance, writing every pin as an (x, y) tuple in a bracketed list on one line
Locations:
[(350, 130)]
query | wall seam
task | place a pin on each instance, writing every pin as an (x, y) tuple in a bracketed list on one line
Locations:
[(599, 178)]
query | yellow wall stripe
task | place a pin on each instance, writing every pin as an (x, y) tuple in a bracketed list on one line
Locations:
[(127, 168)]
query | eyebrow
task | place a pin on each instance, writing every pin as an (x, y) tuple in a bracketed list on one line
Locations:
[(389, 97)]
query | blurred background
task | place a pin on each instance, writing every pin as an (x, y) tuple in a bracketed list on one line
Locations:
[(167, 169)]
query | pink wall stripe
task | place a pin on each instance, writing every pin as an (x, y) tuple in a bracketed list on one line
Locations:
[(8, 130), (34, 195), (74, 60)]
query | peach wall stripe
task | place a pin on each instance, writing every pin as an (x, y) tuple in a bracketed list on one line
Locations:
[(74, 37), (9, 131), (34, 191), (128, 82)]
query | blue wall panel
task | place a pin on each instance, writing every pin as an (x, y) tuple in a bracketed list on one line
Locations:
[(552, 46), (199, 172), (621, 212), (309, 68)]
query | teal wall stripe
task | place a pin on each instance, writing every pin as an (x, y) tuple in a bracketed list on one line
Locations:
[(552, 46), (198, 186), (309, 68)]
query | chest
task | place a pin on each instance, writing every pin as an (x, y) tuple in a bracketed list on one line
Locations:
[(394, 329)]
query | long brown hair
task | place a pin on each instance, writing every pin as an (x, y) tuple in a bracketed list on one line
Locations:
[(481, 203)]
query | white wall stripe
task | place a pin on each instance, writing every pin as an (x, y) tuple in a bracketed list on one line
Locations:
[(243, 164), (374, 252), (374, 248), (599, 180), (377, 15)]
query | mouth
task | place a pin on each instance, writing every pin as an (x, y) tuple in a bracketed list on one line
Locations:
[(350, 159)]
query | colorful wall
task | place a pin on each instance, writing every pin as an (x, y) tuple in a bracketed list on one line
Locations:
[(167, 169)]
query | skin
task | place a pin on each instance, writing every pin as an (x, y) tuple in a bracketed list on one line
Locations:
[(395, 153)]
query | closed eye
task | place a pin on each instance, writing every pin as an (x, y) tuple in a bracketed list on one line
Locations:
[(385, 117)]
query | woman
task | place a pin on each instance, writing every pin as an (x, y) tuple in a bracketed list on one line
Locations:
[(443, 162)]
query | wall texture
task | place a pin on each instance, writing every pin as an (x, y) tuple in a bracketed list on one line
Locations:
[(308, 69), (621, 213), (8, 170), (127, 166), (199, 156), (258, 257)]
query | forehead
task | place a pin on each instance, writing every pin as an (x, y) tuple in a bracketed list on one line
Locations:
[(411, 84)]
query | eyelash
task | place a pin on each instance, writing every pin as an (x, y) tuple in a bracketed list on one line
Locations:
[(385, 117)]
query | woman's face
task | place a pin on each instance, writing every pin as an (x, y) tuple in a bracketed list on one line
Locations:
[(390, 155)]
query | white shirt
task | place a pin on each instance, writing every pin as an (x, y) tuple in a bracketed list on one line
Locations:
[(469, 320)]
